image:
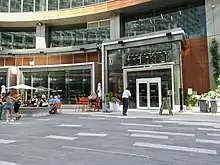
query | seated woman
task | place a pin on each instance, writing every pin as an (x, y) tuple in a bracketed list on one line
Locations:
[(94, 100), (43, 101)]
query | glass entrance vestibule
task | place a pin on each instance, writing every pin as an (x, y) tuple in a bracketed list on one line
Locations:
[(147, 64)]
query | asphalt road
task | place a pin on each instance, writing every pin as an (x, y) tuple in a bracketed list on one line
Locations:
[(105, 140)]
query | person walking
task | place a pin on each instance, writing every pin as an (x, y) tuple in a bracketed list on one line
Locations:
[(125, 98), (17, 104), (9, 107)]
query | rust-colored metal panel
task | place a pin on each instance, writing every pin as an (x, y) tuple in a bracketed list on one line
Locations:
[(40, 60), (10, 61), (54, 60), (80, 58), (92, 57), (2, 61), (196, 66), (67, 59), (18, 61), (26, 60)]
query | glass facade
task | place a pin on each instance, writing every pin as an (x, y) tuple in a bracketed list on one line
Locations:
[(64, 38), (191, 19), (144, 55), (67, 84), (17, 40), (42, 5), (3, 78)]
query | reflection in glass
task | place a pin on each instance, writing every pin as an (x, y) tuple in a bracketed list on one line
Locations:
[(17, 40), (40, 5), (64, 4), (15, 6), (154, 95), (150, 54), (89, 2), (52, 4), (143, 95), (3, 5), (79, 36), (3, 76), (28, 5), (77, 3), (68, 84), (191, 19)]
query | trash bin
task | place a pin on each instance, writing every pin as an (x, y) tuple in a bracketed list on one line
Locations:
[(204, 106), (215, 106)]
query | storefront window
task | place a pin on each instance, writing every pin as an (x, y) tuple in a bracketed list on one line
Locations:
[(3, 76), (115, 72), (68, 84)]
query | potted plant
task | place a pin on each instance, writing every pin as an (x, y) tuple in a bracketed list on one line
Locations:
[(192, 100), (111, 100)]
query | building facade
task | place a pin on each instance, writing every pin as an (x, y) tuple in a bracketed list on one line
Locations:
[(45, 34)]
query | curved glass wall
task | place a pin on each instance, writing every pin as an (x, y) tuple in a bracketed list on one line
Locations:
[(192, 20), (43, 5), (17, 40), (64, 38)]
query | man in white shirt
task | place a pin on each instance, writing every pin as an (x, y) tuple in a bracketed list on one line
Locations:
[(125, 97)]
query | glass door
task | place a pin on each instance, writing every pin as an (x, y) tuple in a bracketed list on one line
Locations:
[(148, 93)]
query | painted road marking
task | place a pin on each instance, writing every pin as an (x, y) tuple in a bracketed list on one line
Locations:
[(209, 129), (60, 137), (176, 148), (149, 136), (69, 125), (213, 134), (186, 123), (91, 134), (162, 133), (141, 125), (92, 118), (7, 163), (43, 119), (107, 152), (207, 141), (3, 141)]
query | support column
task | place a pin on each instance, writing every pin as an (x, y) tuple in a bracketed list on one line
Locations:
[(116, 26), (42, 39), (213, 31)]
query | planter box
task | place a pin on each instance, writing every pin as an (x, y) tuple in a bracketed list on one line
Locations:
[(204, 106), (215, 106), (112, 107)]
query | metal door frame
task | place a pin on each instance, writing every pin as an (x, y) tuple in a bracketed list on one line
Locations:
[(148, 81)]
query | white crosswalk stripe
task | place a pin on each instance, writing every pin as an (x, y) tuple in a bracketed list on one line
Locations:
[(213, 134), (91, 134), (207, 141), (141, 125), (3, 141), (176, 148), (69, 125), (92, 118), (60, 137), (209, 129), (7, 163), (149, 136), (43, 119), (162, 133), (186, 123)]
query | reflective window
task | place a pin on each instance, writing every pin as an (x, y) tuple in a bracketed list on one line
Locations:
[(150, 54), (3, 78), (15, 6), (79, 36), (52, 4), (28, 5), (3, 5), (40, 5), (17, 40), (191, 20), (77, 3), (89, 2), (67, 84), (64, 4)]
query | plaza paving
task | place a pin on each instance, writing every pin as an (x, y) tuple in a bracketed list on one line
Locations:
[(111, 139)]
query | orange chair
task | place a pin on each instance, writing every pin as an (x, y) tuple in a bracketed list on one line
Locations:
[(58, 106)]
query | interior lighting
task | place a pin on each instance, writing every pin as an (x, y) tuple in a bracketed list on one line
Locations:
[(180, 12), (171, 17), (161, 15)]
